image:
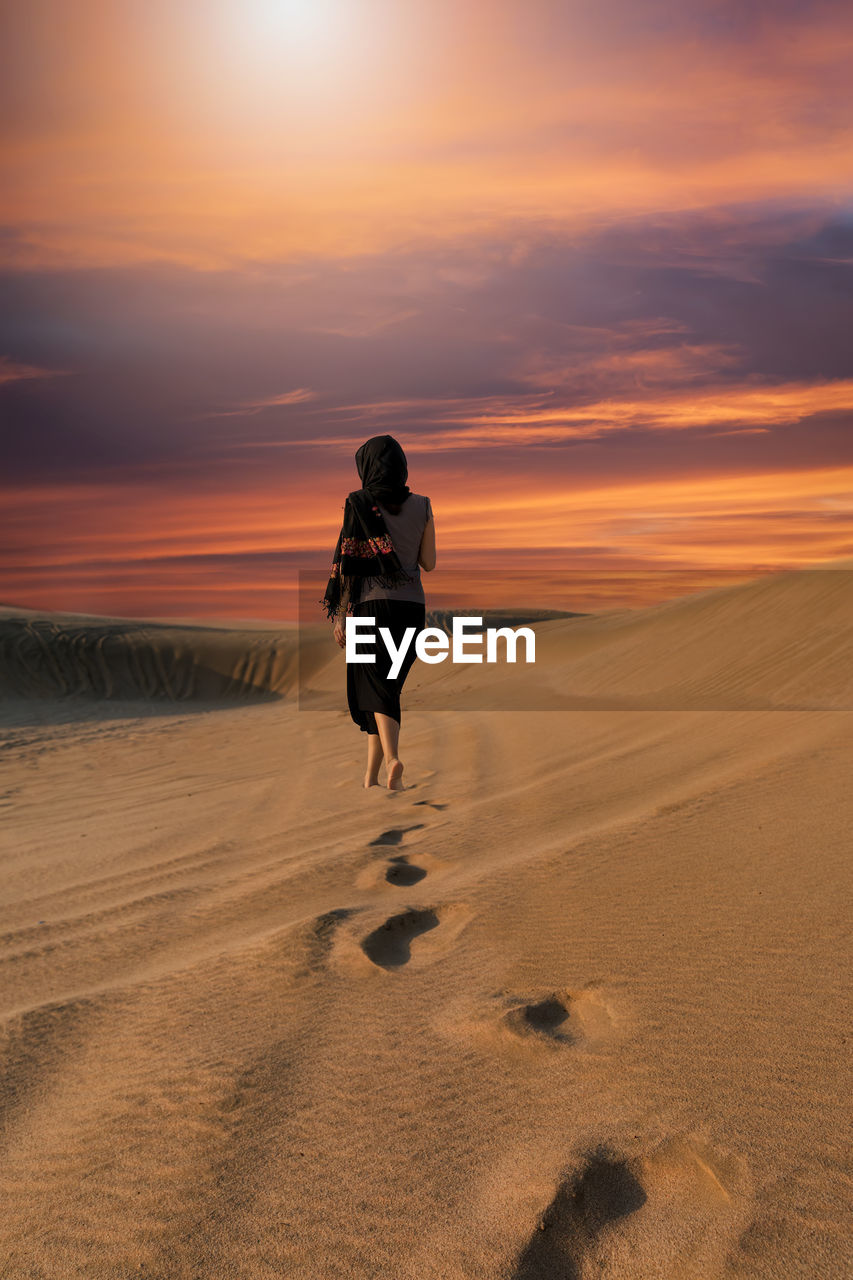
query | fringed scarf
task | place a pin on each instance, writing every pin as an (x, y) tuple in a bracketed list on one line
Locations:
[(364, 548)]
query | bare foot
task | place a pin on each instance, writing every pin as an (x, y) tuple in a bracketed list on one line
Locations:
[(395, 775), (370, 782)]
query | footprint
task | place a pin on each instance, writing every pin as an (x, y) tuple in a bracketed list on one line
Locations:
[(545, 1018), (399, 870), (388, 946), (395, 835), (603, 1192), (673, 1213), (585, 1017), (431, 804), (404, 873)]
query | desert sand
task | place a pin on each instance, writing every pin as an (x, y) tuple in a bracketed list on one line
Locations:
[(573, 1004)]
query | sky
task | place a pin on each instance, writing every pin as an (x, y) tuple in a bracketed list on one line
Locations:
[(590, 262)]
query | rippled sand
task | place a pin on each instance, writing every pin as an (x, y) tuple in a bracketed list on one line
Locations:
[(572, 1004)]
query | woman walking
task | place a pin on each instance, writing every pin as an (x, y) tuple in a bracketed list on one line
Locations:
[(387, 537)]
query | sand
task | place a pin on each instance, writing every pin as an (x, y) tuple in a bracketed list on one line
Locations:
[(572, 1004)]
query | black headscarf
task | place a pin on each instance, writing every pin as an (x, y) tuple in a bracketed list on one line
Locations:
[(364, 548)]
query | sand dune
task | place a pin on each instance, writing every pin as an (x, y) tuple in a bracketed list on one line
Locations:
[(68, 655), (780, 642), (777, 642), (572, 1004)]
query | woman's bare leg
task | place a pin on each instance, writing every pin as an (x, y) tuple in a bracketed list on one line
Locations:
[(389, 736), (374, 760)]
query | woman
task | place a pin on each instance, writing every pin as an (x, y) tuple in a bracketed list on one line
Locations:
[(387, 537)]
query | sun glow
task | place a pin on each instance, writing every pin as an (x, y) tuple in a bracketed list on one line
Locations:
[(298, 29), (277, 82), (299, 20), (318, 45)]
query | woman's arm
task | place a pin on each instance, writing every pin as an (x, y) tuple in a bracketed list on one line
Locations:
[(426, 554), (339, 620)]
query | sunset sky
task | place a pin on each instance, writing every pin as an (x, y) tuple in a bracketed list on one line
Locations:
[(590, 262)]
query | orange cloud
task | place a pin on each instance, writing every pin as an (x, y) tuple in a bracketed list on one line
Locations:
[(124, 549), (16, 371), (250, 407), (468, 423), (241, 137)]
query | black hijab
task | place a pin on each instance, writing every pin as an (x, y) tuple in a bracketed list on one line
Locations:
[(364, 548)]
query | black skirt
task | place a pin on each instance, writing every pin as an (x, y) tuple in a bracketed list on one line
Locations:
[(369, 686)]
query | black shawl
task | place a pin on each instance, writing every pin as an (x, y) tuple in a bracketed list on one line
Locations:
[(364, 548)]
